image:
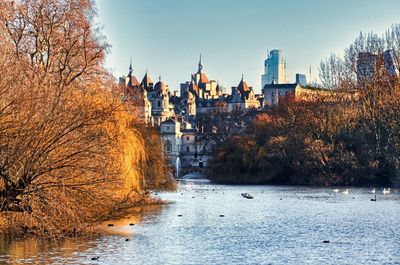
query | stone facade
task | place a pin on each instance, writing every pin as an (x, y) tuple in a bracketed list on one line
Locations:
[(176, 116)]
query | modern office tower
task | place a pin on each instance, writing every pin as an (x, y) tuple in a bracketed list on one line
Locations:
[(274, 69), (390, 62), (371, 66), (301, 79)]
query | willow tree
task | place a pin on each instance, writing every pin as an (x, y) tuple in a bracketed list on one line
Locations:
[(69, 156)]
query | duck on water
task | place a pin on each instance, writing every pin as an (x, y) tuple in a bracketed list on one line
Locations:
[(247, 195)]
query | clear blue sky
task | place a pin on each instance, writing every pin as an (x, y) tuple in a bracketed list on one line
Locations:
[(233, 36)]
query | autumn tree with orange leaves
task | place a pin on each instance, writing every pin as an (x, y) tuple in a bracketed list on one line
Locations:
[(70, 155)]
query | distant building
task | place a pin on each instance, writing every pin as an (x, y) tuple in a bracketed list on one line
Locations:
[(274, 69), (372, 66), (180, 140), (177, 117), (161, 109), (137, 94), (301, 79), (200, 86), (390, 63), (274, 92), (171, 132), (242, 98)]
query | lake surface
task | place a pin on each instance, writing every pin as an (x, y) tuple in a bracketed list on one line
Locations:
[(214, 224)]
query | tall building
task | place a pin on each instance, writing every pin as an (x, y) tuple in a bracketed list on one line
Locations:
[(274, 69), (372, 66), (301, 79)]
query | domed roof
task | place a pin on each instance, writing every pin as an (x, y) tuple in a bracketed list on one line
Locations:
[(161, 86)]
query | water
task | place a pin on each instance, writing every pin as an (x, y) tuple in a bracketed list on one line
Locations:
[(281, 225)]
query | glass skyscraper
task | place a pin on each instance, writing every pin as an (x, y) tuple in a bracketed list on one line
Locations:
[(274, 69)]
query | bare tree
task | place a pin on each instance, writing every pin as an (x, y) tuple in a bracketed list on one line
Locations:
[(370, 68)]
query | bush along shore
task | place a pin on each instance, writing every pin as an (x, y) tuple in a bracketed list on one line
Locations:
[(72, 155)]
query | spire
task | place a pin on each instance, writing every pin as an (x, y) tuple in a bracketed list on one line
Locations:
[(242, 77), (146, 82), (130, 68), (132, 81), (159, 78), (200, 64)]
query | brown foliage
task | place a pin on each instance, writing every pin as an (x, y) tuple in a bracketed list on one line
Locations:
[(70, 155)]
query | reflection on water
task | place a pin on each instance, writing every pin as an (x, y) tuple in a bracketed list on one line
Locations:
[(214, 224), (38, 251), (33, 250)]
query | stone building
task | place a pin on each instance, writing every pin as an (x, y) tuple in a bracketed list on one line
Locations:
[(136, 95), (177, 117), (273, 92), (170, 130), (242, 97), (180, 140), (162, 109)]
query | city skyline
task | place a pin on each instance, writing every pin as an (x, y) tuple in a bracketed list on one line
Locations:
[(167, 37)]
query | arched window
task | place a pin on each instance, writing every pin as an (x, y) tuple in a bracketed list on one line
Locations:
[(158, 103), (168, 146), (187, 149)]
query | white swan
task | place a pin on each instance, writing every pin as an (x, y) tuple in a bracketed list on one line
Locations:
[(336, 190), (386, 191), (373, 190), (346, 191)]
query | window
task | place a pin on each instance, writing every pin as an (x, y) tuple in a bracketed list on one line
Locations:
[(187, 138), (187, 149), (167, 128), (158, 103), (168, 146)]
